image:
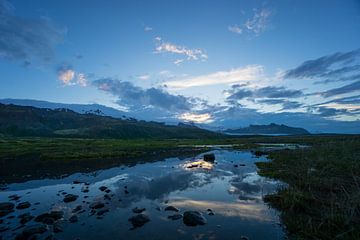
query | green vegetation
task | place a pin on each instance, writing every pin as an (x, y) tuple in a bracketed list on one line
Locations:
[(322, 200)]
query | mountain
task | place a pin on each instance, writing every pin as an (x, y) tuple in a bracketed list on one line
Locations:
[(31, 121), (273, 129)]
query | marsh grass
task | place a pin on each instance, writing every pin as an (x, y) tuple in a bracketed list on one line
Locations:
[(322, 200)]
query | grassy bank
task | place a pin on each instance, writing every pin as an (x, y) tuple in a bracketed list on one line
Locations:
[(322, 200)]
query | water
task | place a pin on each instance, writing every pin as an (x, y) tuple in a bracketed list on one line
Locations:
[(234, 195)]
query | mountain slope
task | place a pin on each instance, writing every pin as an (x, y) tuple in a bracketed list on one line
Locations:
[(269, 129), (30, 121)]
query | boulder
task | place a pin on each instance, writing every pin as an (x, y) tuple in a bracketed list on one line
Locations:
[(138, 210), (23, 205), (97, 205), (70, 198), (193, 218), (171, 208), (139, 220), (175, 216)]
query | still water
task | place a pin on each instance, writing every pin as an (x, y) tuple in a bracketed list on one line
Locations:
[(228, 193)]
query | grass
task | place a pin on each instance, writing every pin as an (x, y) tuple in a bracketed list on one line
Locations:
[(322, 200)]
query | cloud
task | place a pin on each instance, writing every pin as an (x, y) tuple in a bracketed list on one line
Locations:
[(190, 54), (196, 118), (139, 98), (323, 66), (144, 77), (353, 87), (257, 24), (69, 77), (239, 92), (235, 29), (286, 104), (237, 75), (178, 61), (148, 29), (25, 39), (65, 74)]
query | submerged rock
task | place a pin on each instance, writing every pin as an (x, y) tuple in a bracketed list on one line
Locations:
[(97, 205), (175, 216), (6, 208), (73, 219), (139, 220), (32, 230), (210, 157), (102, 188), (171, 208), (138, 210), (23, 205), (49, 218), (24, 218), (70, 198), (193, 218)]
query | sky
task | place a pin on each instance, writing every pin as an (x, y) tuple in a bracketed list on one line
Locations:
[(217, 63)]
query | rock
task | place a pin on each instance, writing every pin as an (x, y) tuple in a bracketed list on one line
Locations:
[(70, 198), (175, 216), (138, 210), (193, 218), (235, 165), (139, 220), (102, 212), (126, 191), (244, 238), (6, 206), (14, 197), (102, 188), (171, 208), (49, 218), (4, 228), (73, 219), (210, 157), (77, 182), (77, 209), (242, 165), (107, 190), (97, 205), (33, 229), (23, 205), (107, 197), (24, 218)]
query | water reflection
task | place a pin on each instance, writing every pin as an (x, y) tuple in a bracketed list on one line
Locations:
[(230, 188)]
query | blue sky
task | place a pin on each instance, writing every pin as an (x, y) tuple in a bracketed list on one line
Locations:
[(222, 63)]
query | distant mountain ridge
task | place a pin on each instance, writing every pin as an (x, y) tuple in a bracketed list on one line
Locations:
[(31, 121), (269, 129)]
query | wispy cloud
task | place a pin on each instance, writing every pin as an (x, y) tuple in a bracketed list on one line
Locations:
[(136, 97), (193, 54), (148, 29), (235, 29), (238, 75), (328, 66), (26, 39), (257, 24), (350, 88), (144, 77)]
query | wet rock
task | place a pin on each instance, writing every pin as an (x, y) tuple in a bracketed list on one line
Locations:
[(49, 218), (102, 212), (70, 198), (138, 210), (73, 219), (210, 212), (175, 216), (77, 209), (97, 205), (126, 191), (77, 182), (244, 238), (107, 191), (171, 208), (209, 157), (14, 197), (193, 218), (235, 165), (23, 205), (139, 220), (6, 206), (32, 230), (242, 165), (107, 197), (102, 188), (24, 218)]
